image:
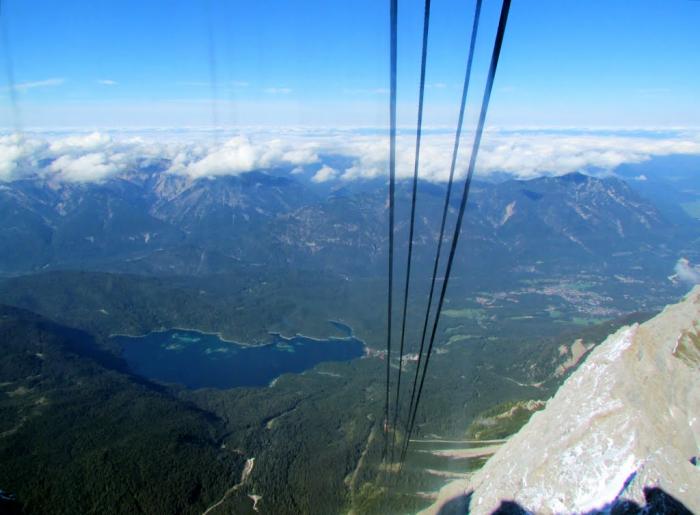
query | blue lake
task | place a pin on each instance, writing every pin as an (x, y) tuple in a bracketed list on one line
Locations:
[(198, 360)]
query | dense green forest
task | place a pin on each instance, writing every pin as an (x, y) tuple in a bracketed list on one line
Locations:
[(316, 438), (77, 435)]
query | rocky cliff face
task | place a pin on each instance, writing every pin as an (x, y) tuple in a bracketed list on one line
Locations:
[(623, 427)]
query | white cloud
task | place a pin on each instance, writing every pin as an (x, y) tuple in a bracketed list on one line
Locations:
[(326, 173), (10, 153), (523, 153), (80, 157), (17, 155), (239, 154), (687, 272), (80, 143), (92, 167), (278, 91), (529, 155), (24, 86), (107, 82), (371, 154)]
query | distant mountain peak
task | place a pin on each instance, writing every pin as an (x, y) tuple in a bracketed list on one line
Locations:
[(576, 177)]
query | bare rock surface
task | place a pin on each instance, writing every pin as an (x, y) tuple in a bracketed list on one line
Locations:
[(626, 420)]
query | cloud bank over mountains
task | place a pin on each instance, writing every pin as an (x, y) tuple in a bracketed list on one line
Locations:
[(687, 272), (96, 156)]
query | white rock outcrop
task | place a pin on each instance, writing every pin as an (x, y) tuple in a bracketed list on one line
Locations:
[(627, 419)]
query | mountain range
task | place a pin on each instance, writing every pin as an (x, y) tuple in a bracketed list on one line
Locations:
[(158, 223)]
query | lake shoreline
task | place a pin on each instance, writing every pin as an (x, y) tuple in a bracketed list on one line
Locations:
[(219, 335), (201, 359)]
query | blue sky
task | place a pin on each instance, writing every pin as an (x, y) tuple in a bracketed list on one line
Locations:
[(286, 62)]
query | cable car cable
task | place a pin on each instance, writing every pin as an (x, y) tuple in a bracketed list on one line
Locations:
[(448, 194), (465, 196), (393, 14), (419, 130), (9, 71)]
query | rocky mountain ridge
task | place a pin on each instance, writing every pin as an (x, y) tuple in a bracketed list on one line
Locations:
[(623, 431), (169, 224)]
